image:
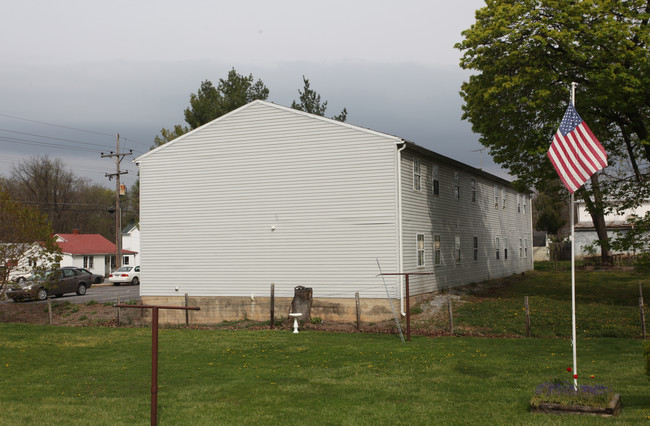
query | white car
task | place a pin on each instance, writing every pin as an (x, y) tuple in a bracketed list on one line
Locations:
[(126, 274)]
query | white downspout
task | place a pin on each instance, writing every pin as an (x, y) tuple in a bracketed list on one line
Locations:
[(399, 228)]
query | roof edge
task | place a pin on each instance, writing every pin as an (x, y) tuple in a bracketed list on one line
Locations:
[(396, 139)]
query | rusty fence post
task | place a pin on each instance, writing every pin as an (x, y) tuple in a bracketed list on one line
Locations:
[(527, 316), (187, 312), (154, 350), (49, 310), (272, 306), (642, 310), (356, 298), (451, 314)]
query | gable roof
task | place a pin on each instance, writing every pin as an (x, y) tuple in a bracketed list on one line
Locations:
[(396, 139), (85, 244)]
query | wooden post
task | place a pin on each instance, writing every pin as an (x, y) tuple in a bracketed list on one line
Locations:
[(408, 310), (187, 312), (356, 298), (272, 306), (527, 316), (451, 315), (643, 329), (49, 309)]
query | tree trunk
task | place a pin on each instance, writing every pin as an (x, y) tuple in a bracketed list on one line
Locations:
[(596, 208)]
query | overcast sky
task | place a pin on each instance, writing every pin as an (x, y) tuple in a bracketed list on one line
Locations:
[(92, 69)]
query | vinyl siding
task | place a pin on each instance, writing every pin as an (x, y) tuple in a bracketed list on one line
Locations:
[(209, 201), (444, 215)]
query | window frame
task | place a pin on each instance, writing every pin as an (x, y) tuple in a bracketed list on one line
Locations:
[(498, 248), (475, 247), (417, 175), (457, 185), (473, 194), (437, 250), (457, 249), (420, 251), (435, 179)]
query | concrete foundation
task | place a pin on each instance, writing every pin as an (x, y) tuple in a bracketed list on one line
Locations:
[(219, 309)]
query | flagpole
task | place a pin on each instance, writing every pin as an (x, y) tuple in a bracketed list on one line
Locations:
[(574, 342)]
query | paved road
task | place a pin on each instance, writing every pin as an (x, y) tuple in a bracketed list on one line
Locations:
[(101, 293)]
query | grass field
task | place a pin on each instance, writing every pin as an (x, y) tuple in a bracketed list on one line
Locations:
[(607, 305), (101, 376), (65, 375)]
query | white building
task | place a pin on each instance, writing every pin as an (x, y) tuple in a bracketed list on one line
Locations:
[(270, 195), (585, 233), (131, 243)]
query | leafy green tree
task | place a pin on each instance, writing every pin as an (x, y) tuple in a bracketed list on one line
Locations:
[(211, 102), (526, 53), (27, 243), (310, 102), (167, 135)]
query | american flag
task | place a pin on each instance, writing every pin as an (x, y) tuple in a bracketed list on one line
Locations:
[(575, 152)]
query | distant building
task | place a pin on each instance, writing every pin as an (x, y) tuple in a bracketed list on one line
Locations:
[(585, 233)]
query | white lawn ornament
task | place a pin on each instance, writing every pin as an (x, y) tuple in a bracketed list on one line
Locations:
[(295, 317)]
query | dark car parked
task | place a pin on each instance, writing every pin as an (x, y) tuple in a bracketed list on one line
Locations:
[(95, 278), (56, 282)]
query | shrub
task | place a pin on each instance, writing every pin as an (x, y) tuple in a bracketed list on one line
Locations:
[(316, 320)]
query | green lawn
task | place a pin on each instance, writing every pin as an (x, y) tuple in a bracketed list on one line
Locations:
[(65, 375), (607, 305)]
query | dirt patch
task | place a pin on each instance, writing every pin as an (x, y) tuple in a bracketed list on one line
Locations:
[(67, 314)]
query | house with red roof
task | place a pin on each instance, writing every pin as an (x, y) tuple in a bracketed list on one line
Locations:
[(90, 251)]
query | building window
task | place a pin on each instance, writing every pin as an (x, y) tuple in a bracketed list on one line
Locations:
[(525, 247), (503, 197), (456, 186), (420, 249), (496, 196), (437, 258), (417, 177), (505, 249), (521, 248), (125, 260), (523, 203), (436, 180), (497, 248), (518, 203), (88, 262), (457, 249), (475, 249), (473, 190)]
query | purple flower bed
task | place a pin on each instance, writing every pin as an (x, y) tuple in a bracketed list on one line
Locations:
[(557, 391)]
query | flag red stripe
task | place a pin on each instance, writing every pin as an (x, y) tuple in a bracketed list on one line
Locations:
[(600, 156), (562, 165)]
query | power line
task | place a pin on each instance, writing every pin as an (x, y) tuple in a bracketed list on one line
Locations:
[(52, 137), (37, 143), (56, 125), (69, 128)]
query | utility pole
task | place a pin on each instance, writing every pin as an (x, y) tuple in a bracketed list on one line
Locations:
[(118, 212)]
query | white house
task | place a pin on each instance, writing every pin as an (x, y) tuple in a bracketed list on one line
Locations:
[(271, 195), (90, 251), (131, 243), (585, 233)]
